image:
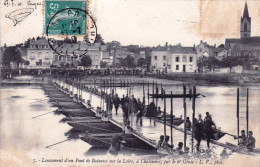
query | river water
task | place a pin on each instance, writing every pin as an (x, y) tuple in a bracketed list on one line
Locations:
[(21, 134)]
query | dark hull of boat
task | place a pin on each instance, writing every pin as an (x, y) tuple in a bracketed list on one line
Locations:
[(66, 99), (89, 120), (175, 121), (104, 141), (57, 95), (77, 113), (72, 106), (103, 127), (67, 119), (172, 95)]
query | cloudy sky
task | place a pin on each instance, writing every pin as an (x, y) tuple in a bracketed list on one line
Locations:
[(149, 22)]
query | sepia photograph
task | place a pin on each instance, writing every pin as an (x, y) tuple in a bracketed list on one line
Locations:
[(130, 83)]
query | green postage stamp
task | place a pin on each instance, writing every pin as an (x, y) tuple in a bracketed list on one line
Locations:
[(66, 17)]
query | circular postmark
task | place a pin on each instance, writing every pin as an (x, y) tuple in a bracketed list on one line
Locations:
[(69, 26)]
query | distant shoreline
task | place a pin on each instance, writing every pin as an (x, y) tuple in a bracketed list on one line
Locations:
[(180, 78)]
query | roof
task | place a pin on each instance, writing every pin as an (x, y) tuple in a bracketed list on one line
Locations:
[(248, 47), (67, 48), (41, 41), (246, 14), (207, 45), (183, 50), (96, 46), (250, 40)]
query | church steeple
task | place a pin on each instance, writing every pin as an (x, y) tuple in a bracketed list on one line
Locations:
[(246, 14), (245, 28)]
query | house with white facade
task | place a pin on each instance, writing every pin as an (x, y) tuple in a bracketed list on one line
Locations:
[(39, 54), (175, 59), (160, 60), (183, 59)]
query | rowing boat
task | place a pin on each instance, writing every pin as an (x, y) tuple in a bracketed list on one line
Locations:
[(103, 140), (100, 127), (77, 112), (173, 95)]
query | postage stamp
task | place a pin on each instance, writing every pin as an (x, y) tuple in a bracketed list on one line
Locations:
[(65, 17)]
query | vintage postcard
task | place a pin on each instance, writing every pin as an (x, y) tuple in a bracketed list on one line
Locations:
[(130, 83)]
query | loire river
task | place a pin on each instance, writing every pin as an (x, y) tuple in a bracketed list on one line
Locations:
[(21, 134)]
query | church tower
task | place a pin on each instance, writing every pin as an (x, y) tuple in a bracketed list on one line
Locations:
[(245, 28)]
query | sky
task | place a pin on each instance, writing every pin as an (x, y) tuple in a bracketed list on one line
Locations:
[(149, 22)]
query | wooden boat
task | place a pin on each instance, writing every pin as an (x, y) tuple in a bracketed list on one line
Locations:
[(68, 105), (172, 95), (67, 119), (175, 121), (178, 121), (100, 127), (87, 120), (77, 112), (57, 95), (62, 99), (103, 140), (237, 149)]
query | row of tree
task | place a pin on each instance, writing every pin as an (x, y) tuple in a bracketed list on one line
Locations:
[(212, 62)]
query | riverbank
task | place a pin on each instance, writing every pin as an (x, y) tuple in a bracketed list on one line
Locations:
[(178, 78), (210, 78)]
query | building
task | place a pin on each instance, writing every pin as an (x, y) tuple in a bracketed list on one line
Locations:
[(245, 47), (160, 60), (174, 59), (183, 59), (221, 52), (245, 26), (39, 54), (205, 50), (65, 55), (71, 54), (121, 53)]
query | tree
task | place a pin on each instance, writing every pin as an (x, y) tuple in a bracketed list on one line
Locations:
[(114, 45), (86, 61), (99, 39), (230, 61), (141, 62), (212, 62), (27, 43), (128, 62), (103, 64), (11, 54), (202, 62)]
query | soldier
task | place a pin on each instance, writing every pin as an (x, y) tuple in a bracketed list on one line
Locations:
[(250, 142), (116, 102)]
